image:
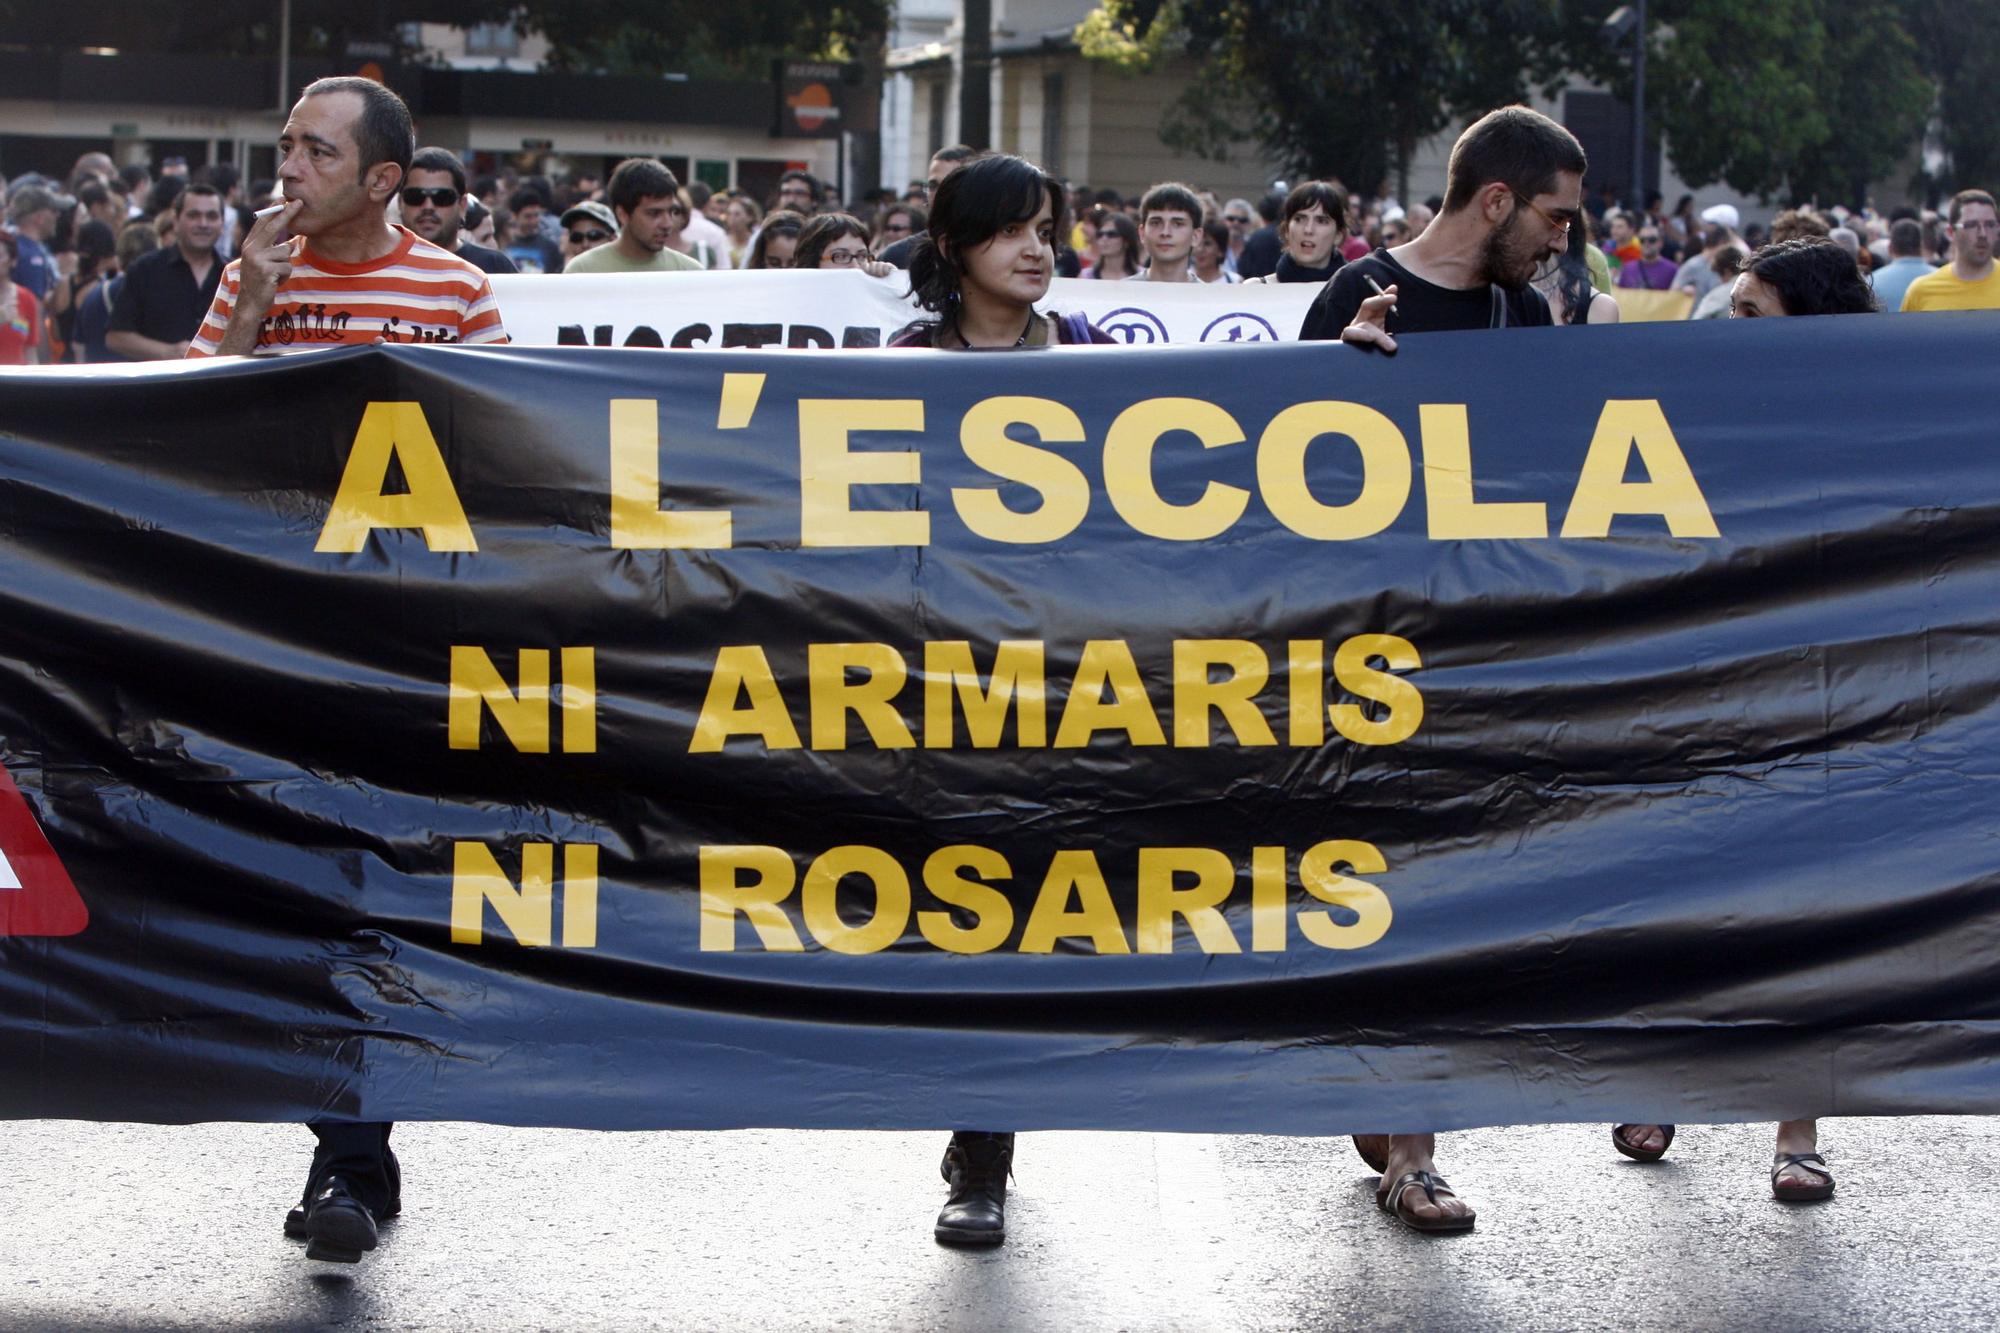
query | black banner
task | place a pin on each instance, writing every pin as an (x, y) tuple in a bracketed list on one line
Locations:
[(1557, 724)]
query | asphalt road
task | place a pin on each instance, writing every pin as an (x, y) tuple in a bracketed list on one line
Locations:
[(147, 1227)]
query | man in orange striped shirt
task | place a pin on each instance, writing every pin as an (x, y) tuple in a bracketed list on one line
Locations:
[(347, 276), (330, 268)]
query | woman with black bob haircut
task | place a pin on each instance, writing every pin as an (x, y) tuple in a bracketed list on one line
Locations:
[(987, 257), (1807, 276), (985, 260), (1313, 223)]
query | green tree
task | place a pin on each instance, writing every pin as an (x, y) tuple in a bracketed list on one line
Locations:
[(613, 36), (1806, 97), (1796, 98), (1336, 88), (1959, 46)]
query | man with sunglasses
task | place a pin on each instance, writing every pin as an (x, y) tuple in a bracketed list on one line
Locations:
[(585, 226), (646, 203), (433, 202), (1514, 188)]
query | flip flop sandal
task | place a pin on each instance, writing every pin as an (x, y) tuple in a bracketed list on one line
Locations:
[(1812, 1191), (1391, 1201), (1378, 1162), (1636, 1153)]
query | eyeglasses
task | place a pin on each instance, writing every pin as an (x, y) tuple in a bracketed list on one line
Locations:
[(845, 258), (899, 228), (1561, 223), (1236, 220), (1645, 239), (588, 237), (416, 196)]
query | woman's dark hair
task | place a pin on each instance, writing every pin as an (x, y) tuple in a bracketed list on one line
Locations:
[(823, 230), (95, 243), (1813, 276), (1326, 194), (166, 193), (777, 222), (1573, 274), (969, 209), (1217, 232)]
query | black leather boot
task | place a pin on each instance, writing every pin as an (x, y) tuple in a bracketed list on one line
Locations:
[(976, 1166)]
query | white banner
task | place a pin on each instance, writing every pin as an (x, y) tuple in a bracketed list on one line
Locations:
[(790, 308)]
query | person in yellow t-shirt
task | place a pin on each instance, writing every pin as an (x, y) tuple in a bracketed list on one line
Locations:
[(1968, 282)]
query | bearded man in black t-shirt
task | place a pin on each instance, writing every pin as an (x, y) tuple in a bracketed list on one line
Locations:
[(1513, 190)]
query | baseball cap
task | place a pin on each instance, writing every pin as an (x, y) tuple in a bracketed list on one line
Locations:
[(593, 210), (35, 198), (1722, 215)]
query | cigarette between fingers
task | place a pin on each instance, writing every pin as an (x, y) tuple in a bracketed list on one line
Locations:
[(1379, 292)]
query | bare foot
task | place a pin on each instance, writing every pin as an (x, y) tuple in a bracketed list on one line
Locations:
[(1797, 1136), (1412, 1152), (1645, 1138)]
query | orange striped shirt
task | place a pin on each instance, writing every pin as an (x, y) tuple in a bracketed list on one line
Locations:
[(417, 293)]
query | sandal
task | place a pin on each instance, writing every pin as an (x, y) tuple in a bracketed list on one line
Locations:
[(1390, 1200), (1635, 1152), (1811, 1191), (1378, 1161)]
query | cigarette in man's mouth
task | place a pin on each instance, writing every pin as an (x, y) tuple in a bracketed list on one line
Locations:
[(272, 211)]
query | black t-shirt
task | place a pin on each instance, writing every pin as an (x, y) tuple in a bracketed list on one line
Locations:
[(1421, 307), (899, 252), (160, 298), (487, 261)]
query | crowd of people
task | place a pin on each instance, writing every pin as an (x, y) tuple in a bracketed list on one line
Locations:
[(116, 264), (368, 237)]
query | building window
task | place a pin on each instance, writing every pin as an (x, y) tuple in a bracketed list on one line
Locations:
[(493, 39), (1052, 124)]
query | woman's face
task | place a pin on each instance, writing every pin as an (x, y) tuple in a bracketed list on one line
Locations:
[(778, 251), (1015, 264), (846, 252), (1207, 254), (739, 216), (1109, 243), (1752, 298), (1311, 235)]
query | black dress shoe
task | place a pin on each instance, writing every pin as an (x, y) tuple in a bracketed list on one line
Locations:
[(339, 1228), (977, 1167), (295, 1220)]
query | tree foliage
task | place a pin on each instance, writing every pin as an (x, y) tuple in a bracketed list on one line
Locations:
[(1797, 98), (1341, 89), (613, 36)]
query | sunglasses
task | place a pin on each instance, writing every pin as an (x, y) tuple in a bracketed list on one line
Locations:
[(588, 237), (416, 197)]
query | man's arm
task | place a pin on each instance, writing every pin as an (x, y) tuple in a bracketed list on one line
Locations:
[(265, 264)]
